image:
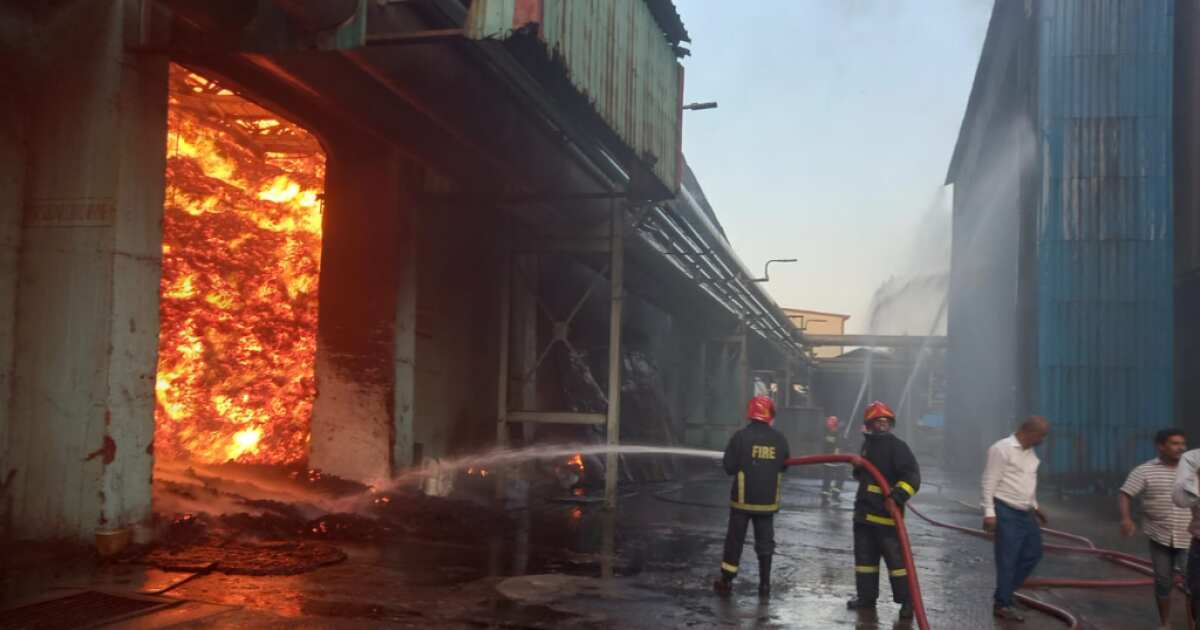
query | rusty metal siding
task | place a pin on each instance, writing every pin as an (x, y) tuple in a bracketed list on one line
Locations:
[(1105, 231), (617, 56)]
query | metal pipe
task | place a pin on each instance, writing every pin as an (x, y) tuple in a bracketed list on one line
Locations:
[(617, 276), (696, 217), (878, 341), (504, 283)]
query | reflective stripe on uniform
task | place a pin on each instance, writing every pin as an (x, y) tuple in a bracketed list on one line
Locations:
[(874, 488), (741, 498), (898, 573), (778, 488), (831, 438), (731, 568), (907, 488), (754, 507), (865, 568), (880, 520)]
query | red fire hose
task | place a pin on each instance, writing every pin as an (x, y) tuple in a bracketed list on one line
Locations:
[(1126, 560), (901, 530), (1123, 559), (1129, 561)]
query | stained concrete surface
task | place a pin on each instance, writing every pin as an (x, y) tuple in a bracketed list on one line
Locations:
[(666, 541)]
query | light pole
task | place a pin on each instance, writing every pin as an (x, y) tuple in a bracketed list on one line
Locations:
[(767, 268)]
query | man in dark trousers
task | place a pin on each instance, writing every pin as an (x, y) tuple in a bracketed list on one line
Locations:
[(874, 528), (756, 457), (832, 475)]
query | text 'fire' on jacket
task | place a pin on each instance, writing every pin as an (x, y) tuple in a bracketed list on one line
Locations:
[(756, 455)]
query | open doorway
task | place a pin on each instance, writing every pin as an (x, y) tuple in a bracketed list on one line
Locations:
[(241, 259)]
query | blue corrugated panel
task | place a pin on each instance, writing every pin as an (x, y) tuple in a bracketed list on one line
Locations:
[(1105, 238)]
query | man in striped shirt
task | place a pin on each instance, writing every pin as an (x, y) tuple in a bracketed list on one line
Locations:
[(1165, 524)]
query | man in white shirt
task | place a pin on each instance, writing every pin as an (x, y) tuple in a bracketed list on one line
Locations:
[(1010, 509), (1186, 494)]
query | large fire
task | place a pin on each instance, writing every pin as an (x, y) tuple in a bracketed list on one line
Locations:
[(241, 255)]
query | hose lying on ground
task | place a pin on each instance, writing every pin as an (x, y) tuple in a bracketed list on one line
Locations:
[(906, 547), (1126, 560)]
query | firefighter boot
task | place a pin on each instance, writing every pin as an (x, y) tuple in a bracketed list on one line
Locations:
[(764, 576), (724, 584), (860, 604), (906, 610)]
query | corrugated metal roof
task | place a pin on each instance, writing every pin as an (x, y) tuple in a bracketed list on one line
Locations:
[(1105, 235), (615, 54)]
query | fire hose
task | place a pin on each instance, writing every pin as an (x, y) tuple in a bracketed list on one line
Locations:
[(1123, 559), (914, 585)]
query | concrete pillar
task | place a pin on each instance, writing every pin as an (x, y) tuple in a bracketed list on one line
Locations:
[(405, 342), (82, 420), (13, 158), (353, 427)]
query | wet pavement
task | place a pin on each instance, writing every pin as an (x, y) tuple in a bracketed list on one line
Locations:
[(567, 563)]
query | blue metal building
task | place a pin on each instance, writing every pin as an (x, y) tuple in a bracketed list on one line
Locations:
[(1063, 195)]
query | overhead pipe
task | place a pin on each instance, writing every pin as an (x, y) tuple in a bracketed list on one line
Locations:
[(695, 216), (713, 274), (878, 341)]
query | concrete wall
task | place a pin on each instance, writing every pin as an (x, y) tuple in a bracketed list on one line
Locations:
[(366, 214), (82, 421), (457, 349), (13, 157)]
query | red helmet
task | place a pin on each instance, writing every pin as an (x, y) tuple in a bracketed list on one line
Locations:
[(877, 410), (761, 408), (831, 423)]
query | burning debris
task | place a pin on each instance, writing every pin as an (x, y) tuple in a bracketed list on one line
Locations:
[(277, 558), (245, 530), (241, 258)]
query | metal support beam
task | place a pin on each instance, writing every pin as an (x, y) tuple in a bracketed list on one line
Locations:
[(557, 417), (880, 341), (504, 282), (416, 37), (617, 278)]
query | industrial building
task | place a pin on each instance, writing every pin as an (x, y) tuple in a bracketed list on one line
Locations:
[(352, 237), (1074, 234), (820, 323)]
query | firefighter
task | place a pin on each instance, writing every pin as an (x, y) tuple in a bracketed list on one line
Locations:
[(756, 456), (832, 476), (874, 528)]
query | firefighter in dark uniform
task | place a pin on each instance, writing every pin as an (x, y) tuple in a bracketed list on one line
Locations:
[(874, 529), (832, 475), (756, 457)]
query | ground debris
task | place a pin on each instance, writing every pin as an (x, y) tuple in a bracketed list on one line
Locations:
[(245, 558)]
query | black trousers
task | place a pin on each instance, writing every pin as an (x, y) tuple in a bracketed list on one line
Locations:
[(832, 476), (735, 538), (871, 542)]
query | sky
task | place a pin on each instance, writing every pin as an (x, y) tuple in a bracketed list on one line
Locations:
[(835, 126)]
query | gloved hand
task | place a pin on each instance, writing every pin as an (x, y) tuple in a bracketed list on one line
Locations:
[(900, 497)]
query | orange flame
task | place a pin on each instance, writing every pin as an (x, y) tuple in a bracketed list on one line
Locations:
[(241, 256), (576, 461)]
